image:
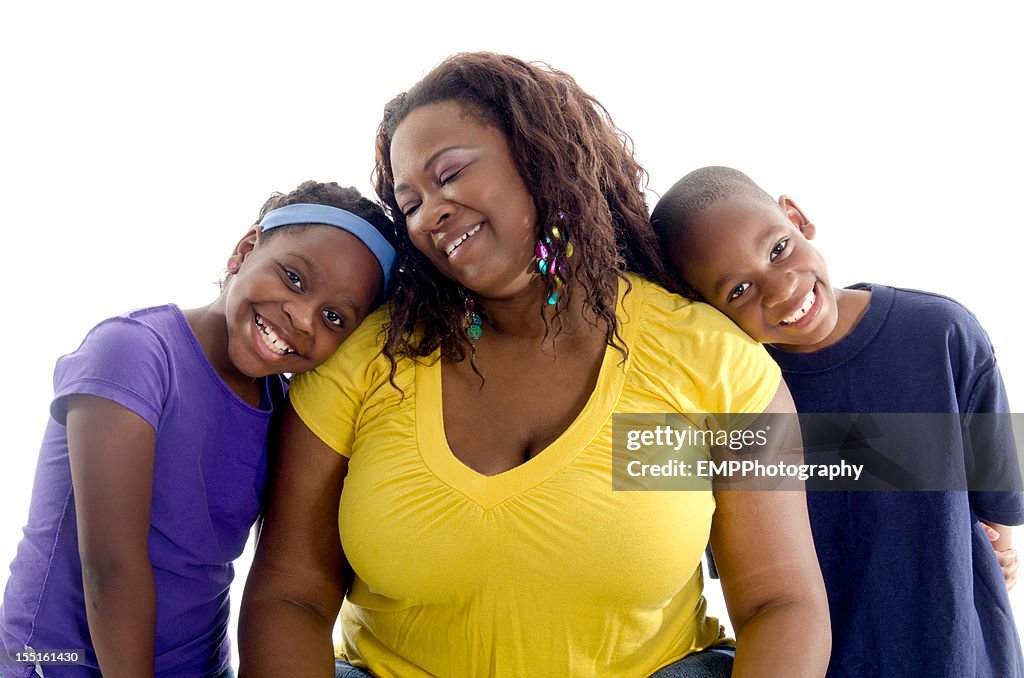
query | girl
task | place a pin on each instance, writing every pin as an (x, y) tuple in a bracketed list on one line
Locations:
[(153, 463), (478, 515)]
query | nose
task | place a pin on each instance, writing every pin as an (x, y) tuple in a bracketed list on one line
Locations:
[(778, 289), (433, 214), (302, 314)]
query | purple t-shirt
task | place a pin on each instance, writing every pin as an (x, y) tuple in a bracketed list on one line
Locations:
[(208, 477)]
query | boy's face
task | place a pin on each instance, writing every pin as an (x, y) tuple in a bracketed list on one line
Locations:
[(752, 261)]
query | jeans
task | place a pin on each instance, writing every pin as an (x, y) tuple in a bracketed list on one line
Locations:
[(346, 670), (714, 662)]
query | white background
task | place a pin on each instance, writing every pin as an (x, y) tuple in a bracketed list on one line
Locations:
[(137, 142)]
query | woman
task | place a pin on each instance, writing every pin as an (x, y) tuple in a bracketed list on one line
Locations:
[(478, 514)]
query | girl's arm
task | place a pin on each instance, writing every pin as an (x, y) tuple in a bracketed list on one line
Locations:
[(770, 578), (295, 587), (111, 452)]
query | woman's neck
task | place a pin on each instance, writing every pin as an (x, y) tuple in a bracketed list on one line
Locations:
[(528, 315)]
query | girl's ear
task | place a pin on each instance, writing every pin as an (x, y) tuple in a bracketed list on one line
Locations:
[(245, 246), (797, 217)]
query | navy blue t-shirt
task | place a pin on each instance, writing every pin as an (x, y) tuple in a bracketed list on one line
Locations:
[(914, 588)]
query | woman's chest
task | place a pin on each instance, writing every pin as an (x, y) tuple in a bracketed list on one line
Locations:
[(519, 408), (414, 538)]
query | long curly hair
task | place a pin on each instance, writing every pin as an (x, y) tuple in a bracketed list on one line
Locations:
[(579, 168)]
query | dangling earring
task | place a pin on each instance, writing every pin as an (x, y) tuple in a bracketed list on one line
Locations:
[(471, 322), (548, 250)]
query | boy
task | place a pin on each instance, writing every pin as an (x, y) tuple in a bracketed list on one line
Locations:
[(914, 587)]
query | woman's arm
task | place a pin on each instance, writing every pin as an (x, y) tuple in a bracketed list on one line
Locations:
[(296, 584), (111, 451), (770, 578)]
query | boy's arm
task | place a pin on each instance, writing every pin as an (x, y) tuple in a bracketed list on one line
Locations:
[(995, 458), (1001, 537), (111, 451)]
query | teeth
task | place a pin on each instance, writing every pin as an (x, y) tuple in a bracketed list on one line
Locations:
[(270, 338), (802, 311), (458, 241)]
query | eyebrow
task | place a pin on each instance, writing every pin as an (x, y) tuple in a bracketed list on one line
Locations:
[(351, 305), (315, 270), (430, 161), (766, 235)]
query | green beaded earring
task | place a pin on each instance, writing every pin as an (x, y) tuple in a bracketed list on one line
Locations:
[(548, 249), (471, 323)]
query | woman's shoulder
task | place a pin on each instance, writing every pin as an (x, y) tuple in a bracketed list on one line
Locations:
[(671, 319), (693, 350), (367, 340), (332, 398), (359, 359)]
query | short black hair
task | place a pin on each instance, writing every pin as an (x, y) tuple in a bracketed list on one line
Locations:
[(696, 192), (690, 197)]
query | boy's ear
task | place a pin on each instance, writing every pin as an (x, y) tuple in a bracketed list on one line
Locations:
[(244, 247), (797, 216)]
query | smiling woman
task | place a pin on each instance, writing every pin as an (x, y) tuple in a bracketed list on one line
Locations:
[(466, 208), (153, 464), (467, 468)]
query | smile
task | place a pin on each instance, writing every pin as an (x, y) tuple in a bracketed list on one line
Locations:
[(454, 244), (271, 339), (805, 307)]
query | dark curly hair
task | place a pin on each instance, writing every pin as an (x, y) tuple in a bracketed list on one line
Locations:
[(573, 160)]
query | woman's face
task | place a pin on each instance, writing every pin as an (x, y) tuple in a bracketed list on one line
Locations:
[(466, 207)]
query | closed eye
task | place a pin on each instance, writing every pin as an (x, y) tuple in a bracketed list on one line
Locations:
[(779, 248), (448, 176), (738, 291)]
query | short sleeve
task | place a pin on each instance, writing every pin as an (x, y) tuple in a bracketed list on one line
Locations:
[(330, 398), (121, 360), (701, 359), (993, 459)]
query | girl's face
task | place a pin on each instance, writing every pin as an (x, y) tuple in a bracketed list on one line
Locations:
[(466, 207), (295, 297)]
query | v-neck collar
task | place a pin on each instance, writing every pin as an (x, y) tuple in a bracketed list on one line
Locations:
[(489, 491)]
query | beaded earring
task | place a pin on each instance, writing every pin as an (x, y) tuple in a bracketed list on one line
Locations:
[(471, 323), (548, 249)]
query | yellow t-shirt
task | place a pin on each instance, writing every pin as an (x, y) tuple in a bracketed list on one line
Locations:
[(542, 569)]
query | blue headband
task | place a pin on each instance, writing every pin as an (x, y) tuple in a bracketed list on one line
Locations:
[(304, 213)]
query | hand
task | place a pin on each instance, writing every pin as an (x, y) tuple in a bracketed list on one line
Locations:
[(1007, 558)]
